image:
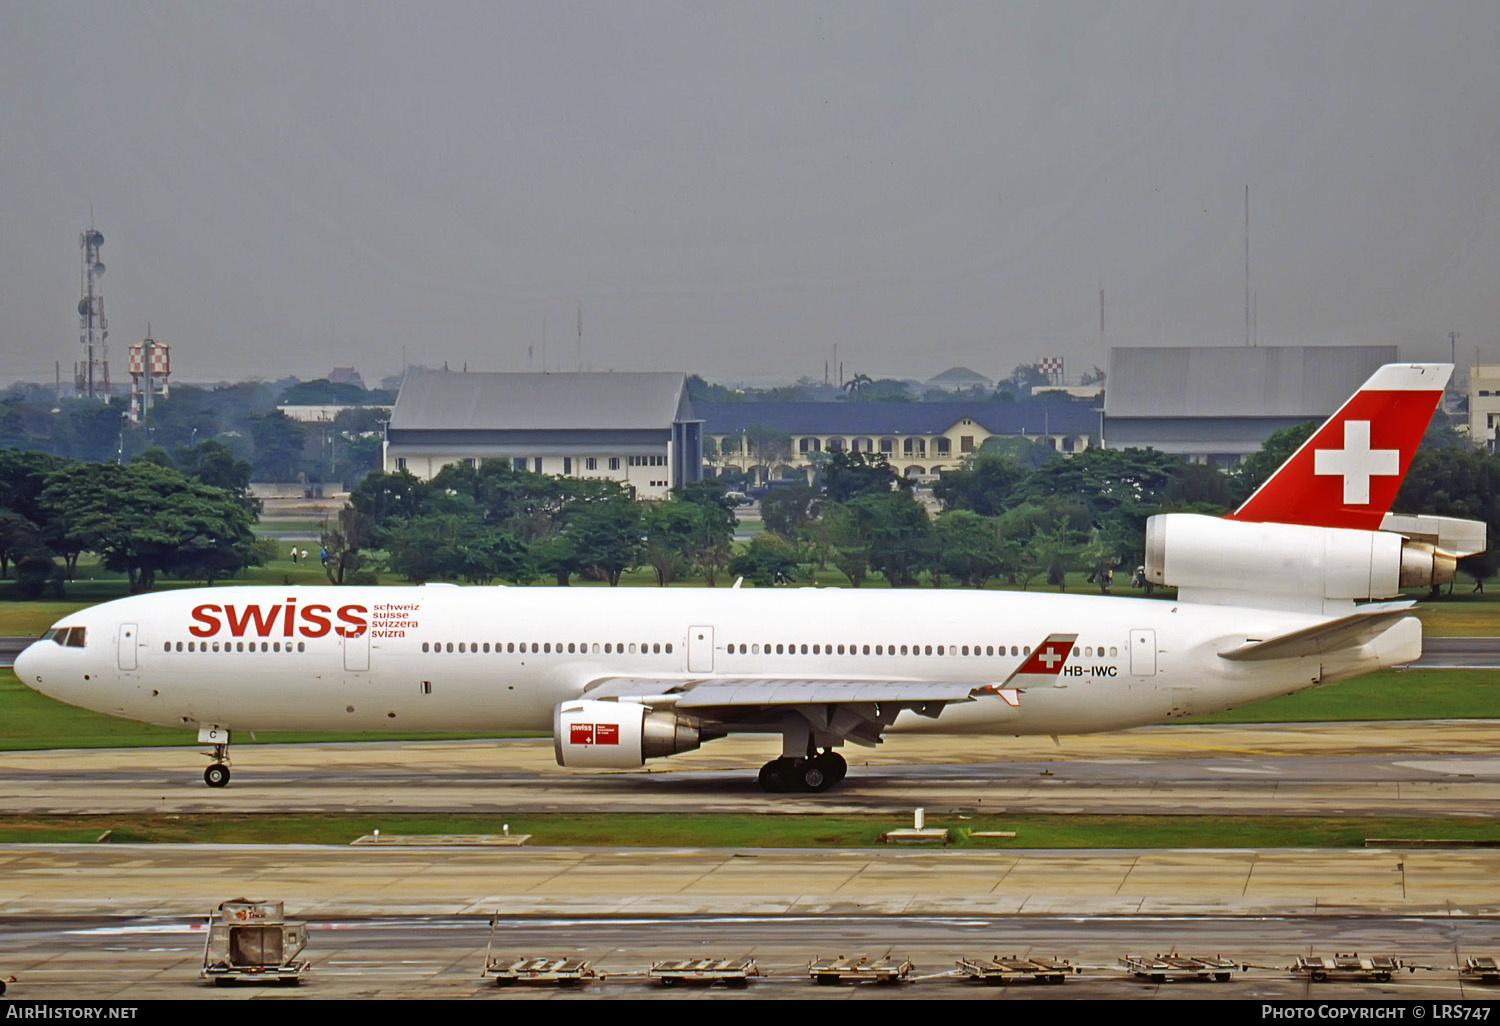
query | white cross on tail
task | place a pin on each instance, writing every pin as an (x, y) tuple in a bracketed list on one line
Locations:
[(1356, 462)]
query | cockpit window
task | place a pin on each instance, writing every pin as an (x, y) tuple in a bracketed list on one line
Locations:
[(68, 637)]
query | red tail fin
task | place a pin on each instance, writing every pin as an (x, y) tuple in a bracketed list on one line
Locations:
[(1348, 472)]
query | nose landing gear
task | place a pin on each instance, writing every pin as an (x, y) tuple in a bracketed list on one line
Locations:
[(217, 774), (815, 774)]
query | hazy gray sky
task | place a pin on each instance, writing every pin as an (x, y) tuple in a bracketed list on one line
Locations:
[(734, 188)]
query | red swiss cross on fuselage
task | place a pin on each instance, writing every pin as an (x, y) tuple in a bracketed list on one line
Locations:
[(1049, 656)]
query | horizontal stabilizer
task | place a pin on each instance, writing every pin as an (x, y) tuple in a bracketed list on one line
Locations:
[(1352, 631)]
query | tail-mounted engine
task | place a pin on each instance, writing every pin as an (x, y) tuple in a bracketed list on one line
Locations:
[(1208, 554), (618, 735)]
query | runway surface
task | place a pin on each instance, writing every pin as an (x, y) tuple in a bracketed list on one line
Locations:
[(124, 921), (1402, 768)]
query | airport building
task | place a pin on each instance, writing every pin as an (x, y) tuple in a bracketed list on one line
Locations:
[(1484, 404), (920, 439), (1219, 404), (639, 429)]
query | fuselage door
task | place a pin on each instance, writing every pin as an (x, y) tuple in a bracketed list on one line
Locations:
[(127, 646), (700, 650), (357, 651), (1143, 653)]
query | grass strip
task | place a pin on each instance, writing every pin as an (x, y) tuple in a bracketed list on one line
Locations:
[(753, 831), (1386, 695)]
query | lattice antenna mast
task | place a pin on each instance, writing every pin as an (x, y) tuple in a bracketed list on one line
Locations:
[(91, 374)]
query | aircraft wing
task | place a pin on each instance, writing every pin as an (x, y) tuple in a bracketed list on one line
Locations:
[(719, 692), (725, 692), (1358, 628)]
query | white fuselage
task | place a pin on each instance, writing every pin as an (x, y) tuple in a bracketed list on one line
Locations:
[(500, 659)]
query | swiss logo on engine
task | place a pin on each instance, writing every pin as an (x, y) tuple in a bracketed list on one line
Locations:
[(594, 734)]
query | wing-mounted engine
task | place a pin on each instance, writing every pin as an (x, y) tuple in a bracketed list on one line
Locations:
[(591, 734), (1216, 560)]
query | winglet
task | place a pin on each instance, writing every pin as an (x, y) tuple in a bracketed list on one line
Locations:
[(1347, 474), (1045, 661)]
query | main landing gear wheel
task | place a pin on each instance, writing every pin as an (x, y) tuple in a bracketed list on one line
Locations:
[(834, 766), (216, 775), (813, 775), (776, 776)]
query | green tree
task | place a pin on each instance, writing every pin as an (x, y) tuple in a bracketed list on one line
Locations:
[(1121, 488), (899, 534), (669, 530), (968, 547), (606, 536), (848, 474), (454, 546), (23, 520), (983, 485), (785, 509), (213, 462), (144, 520), (768, 560), (847, 547), (710, 543), (279, 442)]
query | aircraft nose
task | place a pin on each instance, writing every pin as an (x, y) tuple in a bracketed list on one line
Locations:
[(26, 664)]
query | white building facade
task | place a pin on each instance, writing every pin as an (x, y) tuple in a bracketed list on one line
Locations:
[(638, 429)]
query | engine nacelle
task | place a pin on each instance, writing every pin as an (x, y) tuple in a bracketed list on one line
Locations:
[(618, 735), (1188, 550)]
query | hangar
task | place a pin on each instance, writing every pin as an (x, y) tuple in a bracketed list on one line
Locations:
[(1217, 404), (637, 428)]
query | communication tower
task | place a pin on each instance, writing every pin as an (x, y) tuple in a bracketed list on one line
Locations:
[(150, 364), (91, 374)]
